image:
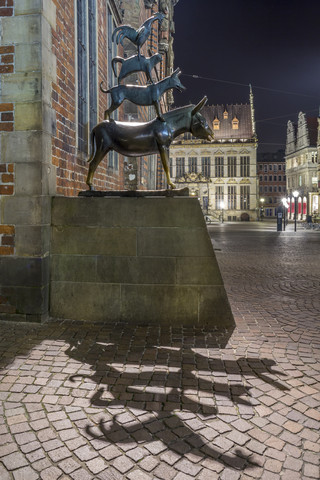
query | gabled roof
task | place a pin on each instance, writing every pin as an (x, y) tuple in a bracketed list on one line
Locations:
[(240, 112), (312, 126)]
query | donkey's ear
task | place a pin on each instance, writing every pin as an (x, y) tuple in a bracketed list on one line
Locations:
[(177, 71), (201, 104)]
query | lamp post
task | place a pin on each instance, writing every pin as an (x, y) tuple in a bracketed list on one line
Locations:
[(296, 195), (285, 206), (222, 207), (261, 209)]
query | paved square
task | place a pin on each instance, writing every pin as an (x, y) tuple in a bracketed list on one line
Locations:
[(110, 402)]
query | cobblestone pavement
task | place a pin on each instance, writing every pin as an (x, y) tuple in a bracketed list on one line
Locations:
[(116, 402)]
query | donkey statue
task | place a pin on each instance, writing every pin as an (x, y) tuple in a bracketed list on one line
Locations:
[(140, 139), (143, 95)]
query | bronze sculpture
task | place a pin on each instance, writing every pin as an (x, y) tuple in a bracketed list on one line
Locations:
[(135, 64), (142, 95), (156, 136), (138, 37), (137, 139)]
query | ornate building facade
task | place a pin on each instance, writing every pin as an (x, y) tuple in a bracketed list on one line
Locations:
[(221, 173), (302, 166), (272, 182)]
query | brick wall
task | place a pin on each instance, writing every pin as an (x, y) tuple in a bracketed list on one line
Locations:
[(7, 232), (6, 58), (6, 8), (7, 238), (6, 117), (71, 164)]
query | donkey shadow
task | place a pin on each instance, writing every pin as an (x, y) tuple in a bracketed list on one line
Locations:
[(159, 385)]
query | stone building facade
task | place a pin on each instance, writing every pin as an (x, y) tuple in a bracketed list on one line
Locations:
[(221, 173), (272, 182), (53, 56), (302, 163)]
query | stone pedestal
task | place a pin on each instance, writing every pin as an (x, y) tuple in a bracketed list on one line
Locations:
[(138, 260)]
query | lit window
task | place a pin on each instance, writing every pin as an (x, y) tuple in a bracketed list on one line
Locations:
[(216, 124), (225, 114), (235, 124)]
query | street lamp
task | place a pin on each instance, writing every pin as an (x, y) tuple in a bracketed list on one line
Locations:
[(285, 206), (296, 195), (222, 207), (261, 209)]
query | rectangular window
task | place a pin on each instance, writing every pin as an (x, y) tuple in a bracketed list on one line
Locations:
[(180, 167), (280, 188), (270, 178), (219, 197), (244, 166), (265, 168), (270, 168), (260, 167), (245, 197), (113, 156), (280, 167), (279, 178), (192, 161), (232, 198), (83, 100), (205, 203), (87, 94), (261, 178), (93, 68), (205, 166), (232, 166), (265, 188), (218, 167), (275, 188), (171, 168), (275, 168)]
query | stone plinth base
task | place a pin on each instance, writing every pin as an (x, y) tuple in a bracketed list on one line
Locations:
[(138, 260)]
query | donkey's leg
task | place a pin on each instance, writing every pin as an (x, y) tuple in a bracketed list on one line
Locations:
[(164, 154), (94, 164)]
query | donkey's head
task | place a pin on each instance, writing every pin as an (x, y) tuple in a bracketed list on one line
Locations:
[(199, 125), (175, 81)]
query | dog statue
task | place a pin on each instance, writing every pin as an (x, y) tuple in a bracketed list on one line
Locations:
[(142, 95)]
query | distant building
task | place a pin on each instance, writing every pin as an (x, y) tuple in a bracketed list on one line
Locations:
[(272, 182), (221, 173), (302, 165)]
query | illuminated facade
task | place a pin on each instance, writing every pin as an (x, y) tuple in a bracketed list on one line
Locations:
[(302, 166), (221, 173)]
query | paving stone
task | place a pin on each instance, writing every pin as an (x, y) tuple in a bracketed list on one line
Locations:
[(123, 464), (25, 473), (14, 460)]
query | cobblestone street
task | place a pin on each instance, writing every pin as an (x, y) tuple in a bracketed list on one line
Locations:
[(111, 402)]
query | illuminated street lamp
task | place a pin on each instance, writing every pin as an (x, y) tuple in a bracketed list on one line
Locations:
[(296, 195), (261, 209), (222, 213), (285, 206)]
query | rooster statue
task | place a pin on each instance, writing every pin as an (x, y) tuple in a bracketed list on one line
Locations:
[(138, 37)]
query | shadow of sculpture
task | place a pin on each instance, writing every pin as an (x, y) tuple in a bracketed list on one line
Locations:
[(146, 397)]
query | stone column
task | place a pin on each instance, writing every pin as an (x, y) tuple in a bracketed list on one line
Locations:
[(24, 274)]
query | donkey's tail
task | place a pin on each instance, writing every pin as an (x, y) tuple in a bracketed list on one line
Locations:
[(113, 62), (102, 89)]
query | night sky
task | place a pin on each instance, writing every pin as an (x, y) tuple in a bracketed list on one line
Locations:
[(270, 44)]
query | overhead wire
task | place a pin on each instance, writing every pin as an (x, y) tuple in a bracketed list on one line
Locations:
[(247, 85)]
